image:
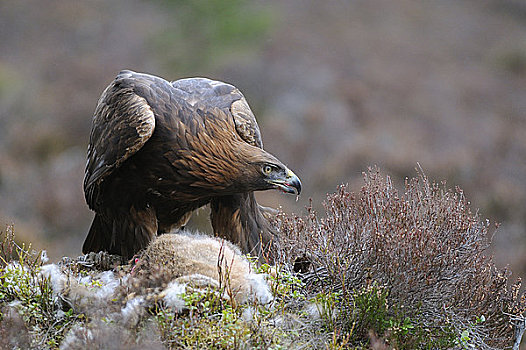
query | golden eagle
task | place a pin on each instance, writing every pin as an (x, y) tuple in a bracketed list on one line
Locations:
[(159, 150)]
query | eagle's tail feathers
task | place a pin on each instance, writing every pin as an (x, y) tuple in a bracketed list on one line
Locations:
[(95, 240)]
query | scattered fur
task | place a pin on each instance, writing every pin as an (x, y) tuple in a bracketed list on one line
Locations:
[(133, 309), (110, 336), (172, 265), (56, 277), (82, 292), (172, 296)]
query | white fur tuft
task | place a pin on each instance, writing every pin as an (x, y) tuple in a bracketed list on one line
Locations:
[(259, 288), (56, 277), (109, 284), (133, 310), (173, 296), (43, 257), (77, 335)]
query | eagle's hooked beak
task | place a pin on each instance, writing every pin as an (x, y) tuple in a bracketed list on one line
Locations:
[(290, 184)]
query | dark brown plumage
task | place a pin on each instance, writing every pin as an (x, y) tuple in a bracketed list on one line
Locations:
[(159, 150)]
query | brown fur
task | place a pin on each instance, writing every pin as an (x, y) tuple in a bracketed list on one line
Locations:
[(186, 258)]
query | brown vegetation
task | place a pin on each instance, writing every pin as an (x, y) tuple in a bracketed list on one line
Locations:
[(423, 245)]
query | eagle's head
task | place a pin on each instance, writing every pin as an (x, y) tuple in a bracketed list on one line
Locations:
[(263, 171), (276, 175)]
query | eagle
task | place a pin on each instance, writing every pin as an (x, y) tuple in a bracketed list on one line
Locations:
[(159, 150)]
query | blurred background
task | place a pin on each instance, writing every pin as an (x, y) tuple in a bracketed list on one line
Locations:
[(337, 86)]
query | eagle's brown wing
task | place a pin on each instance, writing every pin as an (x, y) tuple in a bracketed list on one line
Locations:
[(246, 125), (122, 123)]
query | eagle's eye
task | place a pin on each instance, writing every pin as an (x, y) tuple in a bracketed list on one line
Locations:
[(267, 169)]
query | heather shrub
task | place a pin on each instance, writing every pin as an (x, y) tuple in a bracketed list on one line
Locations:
[(423, 251)]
